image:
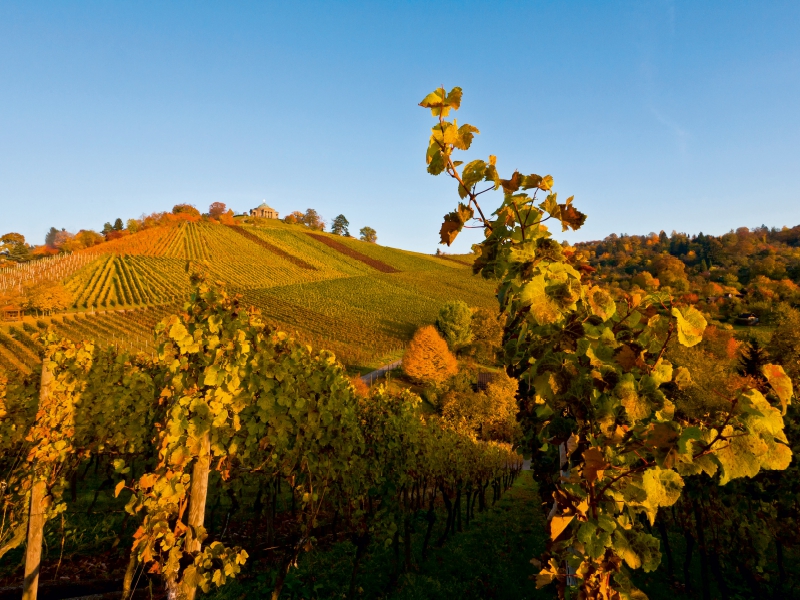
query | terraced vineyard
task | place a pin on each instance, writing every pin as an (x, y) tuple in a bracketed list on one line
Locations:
[(360, 300)]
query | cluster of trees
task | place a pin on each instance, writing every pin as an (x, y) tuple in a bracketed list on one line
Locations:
[(339, 226), (445, 360), (746, 270), (13, 246)]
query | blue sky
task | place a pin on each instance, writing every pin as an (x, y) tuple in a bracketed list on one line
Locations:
[(662, 115)]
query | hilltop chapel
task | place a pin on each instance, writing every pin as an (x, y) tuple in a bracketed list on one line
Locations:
[(264, 211)]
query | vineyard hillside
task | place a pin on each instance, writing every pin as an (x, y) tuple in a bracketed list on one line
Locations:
[(361, 300)]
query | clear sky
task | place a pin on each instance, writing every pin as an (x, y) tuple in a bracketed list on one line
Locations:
[(661, 115)]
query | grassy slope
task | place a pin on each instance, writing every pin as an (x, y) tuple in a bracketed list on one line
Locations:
[(330, 299)]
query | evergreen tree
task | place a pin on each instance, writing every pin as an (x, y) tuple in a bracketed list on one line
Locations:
[(118, 226), (455, 324), (50, 238), (340, 226), (753, 357)]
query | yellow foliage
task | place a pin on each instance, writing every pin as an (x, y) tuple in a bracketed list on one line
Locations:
[(427, 358), (492, 414)]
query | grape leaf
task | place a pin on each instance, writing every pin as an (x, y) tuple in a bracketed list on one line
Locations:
[(780, 382), (691, 325)]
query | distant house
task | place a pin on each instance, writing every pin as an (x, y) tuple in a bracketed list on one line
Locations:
[(747, 319), (264, 212)]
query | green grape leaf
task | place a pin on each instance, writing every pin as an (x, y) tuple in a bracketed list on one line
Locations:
[(691, 325), (663, 486), (637, 407), (688, 435), (542, 308), (471, 174), (662, 372), (683, 378), (435, 160)]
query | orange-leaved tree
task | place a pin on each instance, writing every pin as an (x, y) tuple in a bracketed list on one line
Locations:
[(427, 358)]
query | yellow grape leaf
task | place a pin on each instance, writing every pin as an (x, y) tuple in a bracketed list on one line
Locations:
[(691, 325), (601, 303), (546, 183), (119, 488), (780, 382), (558, 524)]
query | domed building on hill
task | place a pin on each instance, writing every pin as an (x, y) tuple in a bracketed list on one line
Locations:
[(264, 212)]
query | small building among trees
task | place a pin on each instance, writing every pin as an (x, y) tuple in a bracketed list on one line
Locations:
[(12, 313), (264, 212)]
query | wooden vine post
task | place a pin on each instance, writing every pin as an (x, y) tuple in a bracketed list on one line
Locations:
[(197, 503), (36, 519)]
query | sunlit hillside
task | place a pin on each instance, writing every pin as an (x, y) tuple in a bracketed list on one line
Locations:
[(360, 300)]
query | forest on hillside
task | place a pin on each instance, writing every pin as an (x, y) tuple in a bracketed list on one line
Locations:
[(742, 271)]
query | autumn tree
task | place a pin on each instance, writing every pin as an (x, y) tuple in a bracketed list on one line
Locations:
[(487, 334), (489, 413), (85, 238), (455, 324), (368, 234), (312, 220), (340, 226), (47, 298), (294, 218), (185, 209), (217, 209), (427, 358)]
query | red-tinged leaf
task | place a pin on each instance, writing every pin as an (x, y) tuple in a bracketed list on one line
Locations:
[(594, 465), (571, 217), (511, 185)]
